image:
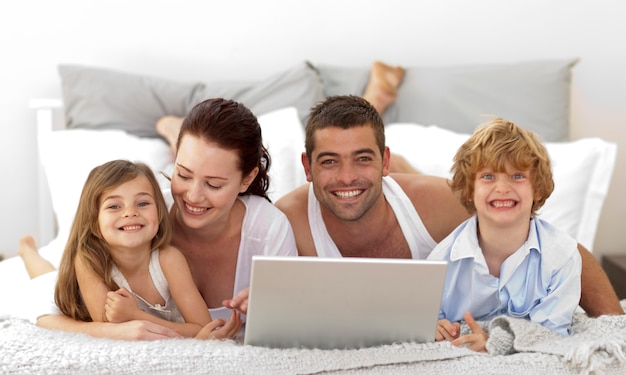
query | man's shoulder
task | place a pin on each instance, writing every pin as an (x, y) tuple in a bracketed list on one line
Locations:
[(295, 201), (295, 206), (436, 204), (416, 185)]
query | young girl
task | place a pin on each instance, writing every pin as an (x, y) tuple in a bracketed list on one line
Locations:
[(504, 259), (118, 265)]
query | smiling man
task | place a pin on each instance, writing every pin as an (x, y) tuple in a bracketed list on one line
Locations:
[(352, 206)]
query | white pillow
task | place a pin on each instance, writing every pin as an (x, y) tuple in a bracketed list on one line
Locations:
[(581, 170), (67, 157), (283, 136)]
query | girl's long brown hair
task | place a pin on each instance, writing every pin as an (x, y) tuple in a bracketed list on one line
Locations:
[(85, 239)]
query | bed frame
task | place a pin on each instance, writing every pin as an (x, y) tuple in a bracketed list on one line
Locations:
[(49, 117)]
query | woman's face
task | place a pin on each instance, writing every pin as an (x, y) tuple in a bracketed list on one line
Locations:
[(205, 183)]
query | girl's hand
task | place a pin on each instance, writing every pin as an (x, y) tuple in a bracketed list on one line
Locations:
[(447, 330), (477, 340), (120, 306)]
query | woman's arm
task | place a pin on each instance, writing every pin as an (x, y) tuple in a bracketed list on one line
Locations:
[(132, 330), (597, 295)]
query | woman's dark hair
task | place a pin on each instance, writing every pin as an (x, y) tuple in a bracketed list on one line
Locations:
[(234, 127)]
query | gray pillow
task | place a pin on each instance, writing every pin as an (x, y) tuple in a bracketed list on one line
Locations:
[(534, 94), (298, 87), (96, 98)]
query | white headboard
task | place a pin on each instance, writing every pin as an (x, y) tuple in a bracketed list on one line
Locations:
[(49, 117)]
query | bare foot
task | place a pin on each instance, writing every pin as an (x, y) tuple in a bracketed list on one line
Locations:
[(169, 127), (28, 245), (35, 264), (382, 88)]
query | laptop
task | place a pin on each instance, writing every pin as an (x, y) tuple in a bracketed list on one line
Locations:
[(333, 303)]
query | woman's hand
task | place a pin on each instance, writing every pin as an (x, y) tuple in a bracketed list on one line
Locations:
[(132, 331), (140, 330), (218, 329), (239, 301)]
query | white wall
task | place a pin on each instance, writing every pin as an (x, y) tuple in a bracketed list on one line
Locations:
[(203, 39)]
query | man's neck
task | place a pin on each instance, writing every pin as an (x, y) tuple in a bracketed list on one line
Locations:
[(377, 234)]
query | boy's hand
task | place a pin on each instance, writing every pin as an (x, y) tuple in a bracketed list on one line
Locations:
[(447, 330), (477, 340)]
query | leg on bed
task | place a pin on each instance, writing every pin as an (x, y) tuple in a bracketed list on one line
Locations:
[(381, 91), (382, 88), (169, 127), (35, 264)]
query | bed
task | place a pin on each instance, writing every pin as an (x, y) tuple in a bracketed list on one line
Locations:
[(105, 114)]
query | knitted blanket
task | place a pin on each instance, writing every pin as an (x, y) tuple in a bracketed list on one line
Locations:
[(597, 345)]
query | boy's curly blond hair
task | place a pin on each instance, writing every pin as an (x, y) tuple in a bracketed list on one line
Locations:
[(494, 144)]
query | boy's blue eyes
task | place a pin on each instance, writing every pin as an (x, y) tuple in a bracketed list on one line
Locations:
[(517, 176)]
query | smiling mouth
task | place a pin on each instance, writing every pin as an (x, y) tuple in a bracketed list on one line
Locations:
[(195, 209), (129, 228), (503, 204), (348, 194)]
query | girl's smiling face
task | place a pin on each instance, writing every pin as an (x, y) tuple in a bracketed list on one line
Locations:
[(128, 215)]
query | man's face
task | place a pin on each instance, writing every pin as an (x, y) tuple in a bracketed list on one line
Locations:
[(346, 169)]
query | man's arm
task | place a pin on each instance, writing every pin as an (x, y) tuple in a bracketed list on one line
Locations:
[(597, 294), (438, 208)]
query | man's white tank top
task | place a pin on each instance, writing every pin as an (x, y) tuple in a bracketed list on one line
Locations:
[(419, 240)]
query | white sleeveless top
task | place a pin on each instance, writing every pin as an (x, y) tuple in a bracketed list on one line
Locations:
[(419, 240), (265, 231), (169, 311)]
